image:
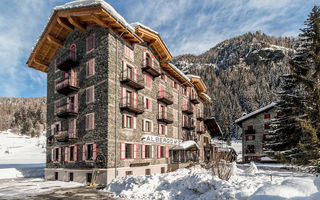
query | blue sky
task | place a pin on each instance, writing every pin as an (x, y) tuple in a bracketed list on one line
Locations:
[(186, 26)]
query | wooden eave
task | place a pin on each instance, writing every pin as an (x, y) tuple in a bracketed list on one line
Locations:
[(175, 74), (198, 84), (155, 41), (62, 22), (204, 98)]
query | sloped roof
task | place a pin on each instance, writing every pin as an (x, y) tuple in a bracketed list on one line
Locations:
[(254, 113), (213, 127)]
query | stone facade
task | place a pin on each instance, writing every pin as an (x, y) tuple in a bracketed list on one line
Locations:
[(108, 133), (255, 132)]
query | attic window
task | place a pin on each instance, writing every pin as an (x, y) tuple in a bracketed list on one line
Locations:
[(148, 60), (90, 42)]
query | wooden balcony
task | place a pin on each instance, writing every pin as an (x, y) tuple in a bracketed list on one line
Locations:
[(66, 110), (67, 61), (165, 97), (131, 105), (165, 117), (250, 131), (188, 109), (152, 70), (65, 86), (131, 79), (189, 124), (61, 136), (194, 99)]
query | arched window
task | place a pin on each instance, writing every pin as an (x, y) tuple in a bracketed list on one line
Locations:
[(73, 51), (148, 60)]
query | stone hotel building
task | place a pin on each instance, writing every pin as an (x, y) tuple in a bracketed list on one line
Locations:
[(116, 106)]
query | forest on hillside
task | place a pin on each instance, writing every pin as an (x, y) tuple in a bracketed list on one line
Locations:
[(242, 74)]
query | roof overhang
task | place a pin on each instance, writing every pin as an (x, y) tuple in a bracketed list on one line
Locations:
[(154, 41), (176, 73), (64, 21), (198, 83), (204, 97)]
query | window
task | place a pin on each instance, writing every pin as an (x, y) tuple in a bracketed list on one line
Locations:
[(148, 151), (250, 149), (89, 177), (250, 128), (72, 128), (184, 91), (250, 137), (147, 172), (55, 128), (90, 68), (162, 129), (164, 77), (163, 170), (129, 173), (129, 148), (56, 153), (148, 60), (90, 42), (128, 121), (71, 153), (90, 121), (128, 52), (71, 176), (162, 152), (57, 62), (56, 176), (148, 126), (73, 52), (147, 104), (266, 126), (267, 116), (90, 94), (89, 151), (148, 81)]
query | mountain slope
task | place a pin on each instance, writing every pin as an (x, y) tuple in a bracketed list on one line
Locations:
[(242, 74)]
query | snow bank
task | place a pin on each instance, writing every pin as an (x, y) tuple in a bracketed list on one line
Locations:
[(198, 183), (252, 169), (182, 184)]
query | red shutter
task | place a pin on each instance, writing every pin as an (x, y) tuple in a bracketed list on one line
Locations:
[(159, 129), (167, 152), (124, 121), (159, 152), (134, 123), (253, 137), (52, 129), (95, 151), (152, 151), (124, 70), (52, 154), (84, 153), (124, 91), (75, 155), (76, 103), (134, 151), (247, 137), (166, 130), (151, 126), (144, 58), (135, 103), (92, 120), (122, 151), (135, 78), (152, 61), (60, 154), (143, 125), (66, 154), (143, 151)]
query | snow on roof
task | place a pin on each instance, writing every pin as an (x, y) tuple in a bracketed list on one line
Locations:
[(180, 72), (256, 112), (103, 4), (198, 77), (207, 96), (135, 25), (185, 145)]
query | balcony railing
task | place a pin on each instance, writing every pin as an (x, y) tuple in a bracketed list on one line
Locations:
[(199, 116), (131, 105), (131, 78), (250, 131), (189, 124), (194, 99), (165, 117), (188, 108), (165, 97), (67, 85), (66, 110), (67, 61), (152, 70)]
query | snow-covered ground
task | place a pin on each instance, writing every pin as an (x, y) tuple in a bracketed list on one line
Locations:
[(19, 149), (237, 145), (24, 188), (198, 183)]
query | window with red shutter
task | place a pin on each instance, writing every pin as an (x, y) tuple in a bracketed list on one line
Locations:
[(267, 116), (266, 126), (90, 94), (90, 121), (90, 68), (90, 42), (250, 127)]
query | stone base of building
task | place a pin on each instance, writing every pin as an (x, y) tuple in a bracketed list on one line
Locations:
[(100, 176)]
